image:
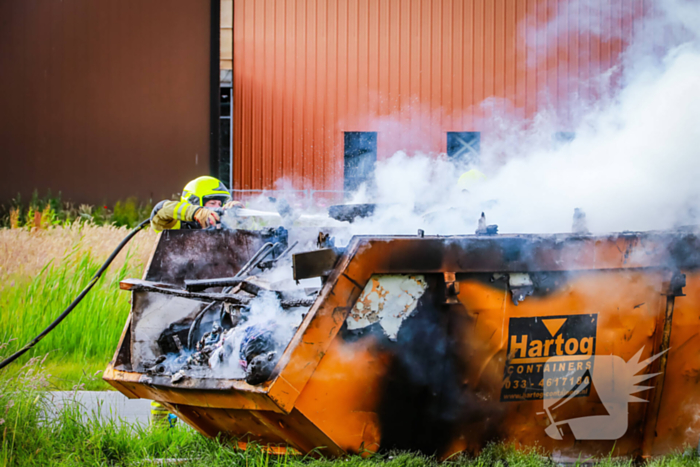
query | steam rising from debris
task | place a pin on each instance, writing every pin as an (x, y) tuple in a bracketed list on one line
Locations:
[(265, 314), (633, 164)]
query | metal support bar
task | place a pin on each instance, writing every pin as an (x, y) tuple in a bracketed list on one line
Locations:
[(197, 285), (136, 285), (674, 288), (214, 97)]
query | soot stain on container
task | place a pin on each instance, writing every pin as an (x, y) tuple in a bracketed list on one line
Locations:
[(424, 404)]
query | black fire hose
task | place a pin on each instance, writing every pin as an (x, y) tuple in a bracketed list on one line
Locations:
[(77, 300)]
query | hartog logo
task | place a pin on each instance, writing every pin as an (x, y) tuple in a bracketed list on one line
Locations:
[(560, 347)]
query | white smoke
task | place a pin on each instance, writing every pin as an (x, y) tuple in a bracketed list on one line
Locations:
[(633, 165), (265, 313)]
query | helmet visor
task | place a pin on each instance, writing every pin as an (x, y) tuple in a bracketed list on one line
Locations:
[(216, 197)]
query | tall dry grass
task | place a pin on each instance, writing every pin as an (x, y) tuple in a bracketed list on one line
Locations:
[(24, 253), (43, 270)]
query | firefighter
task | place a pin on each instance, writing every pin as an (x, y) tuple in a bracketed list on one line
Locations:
[(469, 179), (195, 209)]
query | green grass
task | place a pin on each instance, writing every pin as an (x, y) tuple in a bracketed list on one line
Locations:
[(85, 341), (72, 438), (85, 375)]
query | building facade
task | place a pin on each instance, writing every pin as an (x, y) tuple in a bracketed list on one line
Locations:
[(323, 89), (110, 99)]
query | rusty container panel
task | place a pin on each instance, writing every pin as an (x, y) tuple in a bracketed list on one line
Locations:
[(584, 346), (306, 71)]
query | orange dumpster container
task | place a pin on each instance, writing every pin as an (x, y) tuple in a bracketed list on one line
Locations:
[(583, 345)]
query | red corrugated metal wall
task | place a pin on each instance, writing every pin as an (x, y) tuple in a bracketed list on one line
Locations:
[(305, 71)]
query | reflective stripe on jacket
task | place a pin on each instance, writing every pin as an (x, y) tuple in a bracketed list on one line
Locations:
[(168, 215)]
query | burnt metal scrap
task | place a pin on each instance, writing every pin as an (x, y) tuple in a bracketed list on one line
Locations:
[(189, 344), (271, 263), (317, 263), (351, 212), (203, 284), (136, 285), (247, 285), (483, 229), (209, 335)]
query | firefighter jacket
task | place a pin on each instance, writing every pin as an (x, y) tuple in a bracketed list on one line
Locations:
[(174, 215)]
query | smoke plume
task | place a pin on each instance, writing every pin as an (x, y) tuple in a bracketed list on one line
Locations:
[(633, 163)]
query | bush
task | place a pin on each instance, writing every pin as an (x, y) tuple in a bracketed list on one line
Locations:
[(129, 213), (43, 213)]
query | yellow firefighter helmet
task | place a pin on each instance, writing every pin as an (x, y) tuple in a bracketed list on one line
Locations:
[(203, 189), (470, 178)]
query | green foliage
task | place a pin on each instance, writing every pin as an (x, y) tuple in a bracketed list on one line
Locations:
[(56, 212), (30, 436), (129, 213)]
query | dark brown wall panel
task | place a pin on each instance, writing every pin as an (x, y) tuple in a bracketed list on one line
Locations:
[(104, 99)]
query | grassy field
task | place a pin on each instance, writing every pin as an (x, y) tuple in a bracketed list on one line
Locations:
[(27, 437), (42, 271)]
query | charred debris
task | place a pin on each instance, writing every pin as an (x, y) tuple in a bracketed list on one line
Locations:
[(189, 322), (237, 326)]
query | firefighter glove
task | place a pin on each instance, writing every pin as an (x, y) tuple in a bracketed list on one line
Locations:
[(233, 204), (206, 217)]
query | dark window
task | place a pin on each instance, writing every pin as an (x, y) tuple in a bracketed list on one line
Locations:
[(464, 146), (563, 137), (225, 102), (225, 137), (360, 157)]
